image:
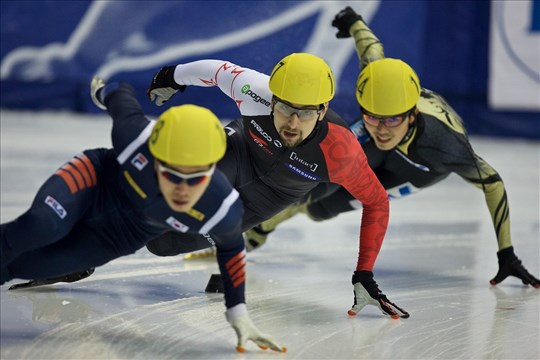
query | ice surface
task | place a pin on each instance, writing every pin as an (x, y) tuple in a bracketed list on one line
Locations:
[(437, 259)]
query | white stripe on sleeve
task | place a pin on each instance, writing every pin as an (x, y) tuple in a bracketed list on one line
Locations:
[(220, 214), (141, 139)]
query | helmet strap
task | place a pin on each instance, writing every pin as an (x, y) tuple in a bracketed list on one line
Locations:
[(316, 127), (410, 131)]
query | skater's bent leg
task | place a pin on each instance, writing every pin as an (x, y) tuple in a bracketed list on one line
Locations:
[(79, 251)]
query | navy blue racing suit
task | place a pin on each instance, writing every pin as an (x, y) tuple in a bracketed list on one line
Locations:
[(106, 203)]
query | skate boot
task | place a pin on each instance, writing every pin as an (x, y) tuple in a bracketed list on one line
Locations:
[(49, 281)]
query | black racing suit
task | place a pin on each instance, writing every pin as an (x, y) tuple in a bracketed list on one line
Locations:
[(436, 146), (270, 176)]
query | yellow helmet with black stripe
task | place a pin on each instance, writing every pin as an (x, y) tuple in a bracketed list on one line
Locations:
[(188, 135), (304, 79), (387, 87)]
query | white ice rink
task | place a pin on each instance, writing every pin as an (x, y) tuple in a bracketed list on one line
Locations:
[(437, 259)]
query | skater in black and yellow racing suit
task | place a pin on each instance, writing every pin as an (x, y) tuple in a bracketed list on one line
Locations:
[(412, 139)]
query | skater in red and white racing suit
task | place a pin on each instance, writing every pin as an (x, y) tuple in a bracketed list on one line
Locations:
[(286, 143)]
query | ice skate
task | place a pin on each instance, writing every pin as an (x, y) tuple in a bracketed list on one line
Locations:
[(201, 254), (49, 281)]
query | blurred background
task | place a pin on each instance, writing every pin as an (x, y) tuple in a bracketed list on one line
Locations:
[(483, 56)]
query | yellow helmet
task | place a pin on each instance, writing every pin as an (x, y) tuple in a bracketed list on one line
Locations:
[(303, 79), (188, 135), (387, 87)]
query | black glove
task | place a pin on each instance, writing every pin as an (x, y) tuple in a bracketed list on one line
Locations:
[(510, 265), (344, 20), (163, 86), (367, 292)]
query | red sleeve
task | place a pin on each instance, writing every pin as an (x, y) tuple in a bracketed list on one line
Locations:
[(347, 165)]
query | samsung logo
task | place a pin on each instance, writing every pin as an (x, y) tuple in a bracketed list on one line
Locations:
[(302, 172)]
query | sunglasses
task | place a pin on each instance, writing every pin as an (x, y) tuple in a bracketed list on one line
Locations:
[(391, 121), (303, 114), (177, 177)]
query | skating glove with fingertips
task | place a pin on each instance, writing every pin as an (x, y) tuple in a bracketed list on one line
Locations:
[(239, 319), (163, 86), (510, 265), (367, 292)]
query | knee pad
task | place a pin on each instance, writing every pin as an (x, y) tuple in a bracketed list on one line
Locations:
[(175, 243), (165, 245)]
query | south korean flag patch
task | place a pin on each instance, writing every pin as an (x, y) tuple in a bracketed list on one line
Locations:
[(177, 225)]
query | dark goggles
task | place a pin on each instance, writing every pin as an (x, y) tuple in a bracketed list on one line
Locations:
[(177, 177), (390, 121)]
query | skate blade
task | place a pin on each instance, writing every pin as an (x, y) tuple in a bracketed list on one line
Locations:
[(209, 253)]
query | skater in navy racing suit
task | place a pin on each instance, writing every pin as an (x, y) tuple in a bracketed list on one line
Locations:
[(106, 203)]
